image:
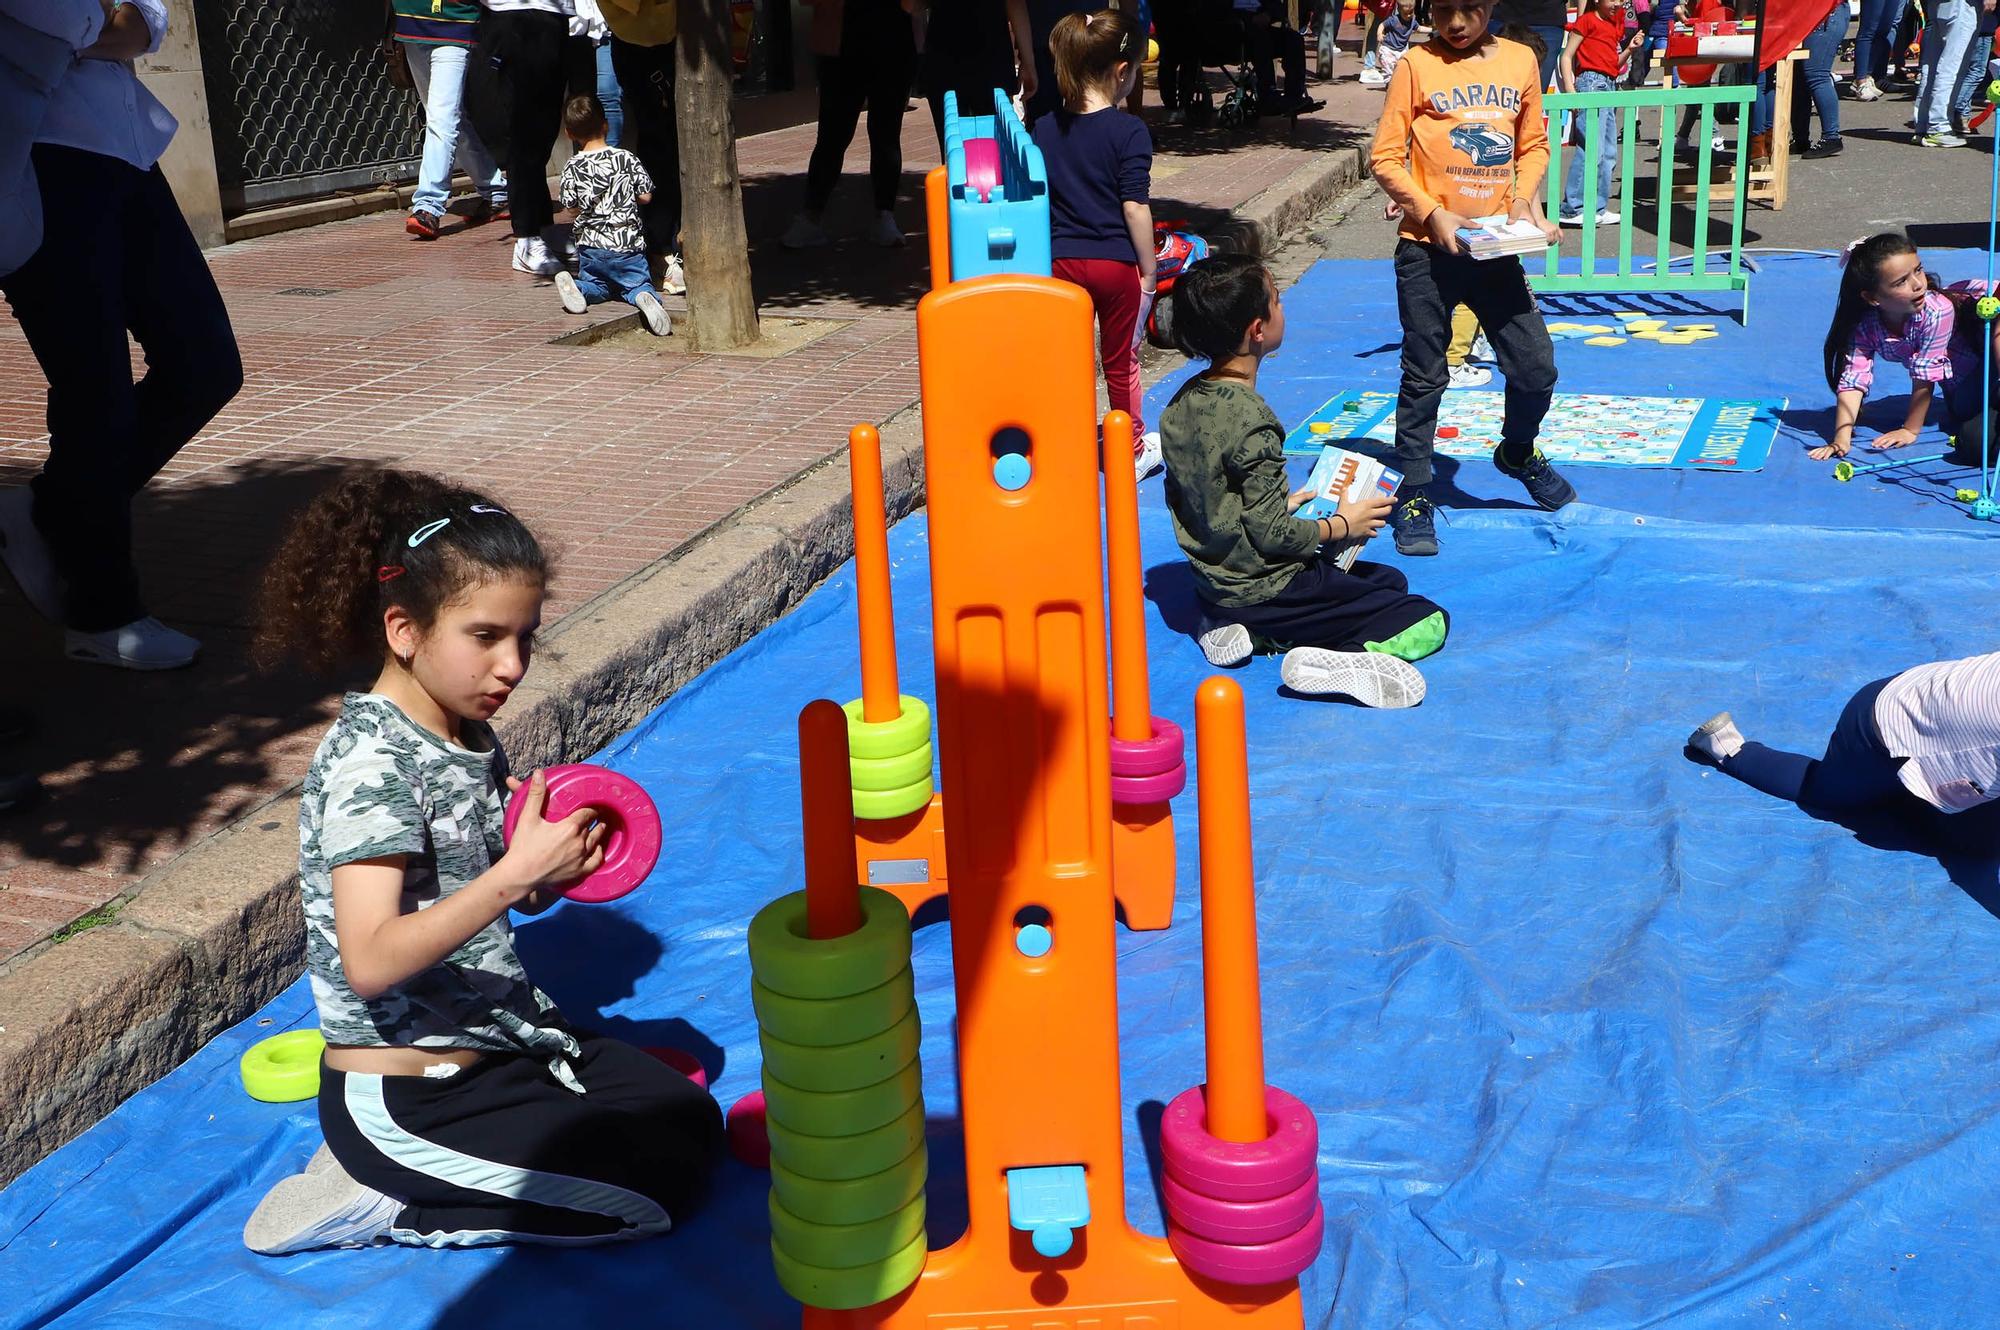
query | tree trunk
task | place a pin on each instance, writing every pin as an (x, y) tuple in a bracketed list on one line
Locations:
[(722, 312)]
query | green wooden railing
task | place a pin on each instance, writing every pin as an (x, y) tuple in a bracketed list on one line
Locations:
[(1716, 263)]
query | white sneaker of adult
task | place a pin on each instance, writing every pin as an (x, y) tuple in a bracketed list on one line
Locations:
[(1227, 645), (1369, 677), (1146, 458), (1607, 217), (1717, 737), (324, 1209), (531, 255), (885, 232), (143, 644), (673, 280), (27, 555), (1469, 375), (805, 233), (655, 315), (1481, 348), (1866, 91), (572, 297)]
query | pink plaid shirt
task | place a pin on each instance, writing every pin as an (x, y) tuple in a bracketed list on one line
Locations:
[(1925, 345)]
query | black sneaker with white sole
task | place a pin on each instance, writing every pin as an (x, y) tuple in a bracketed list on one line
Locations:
[(1545, 484)]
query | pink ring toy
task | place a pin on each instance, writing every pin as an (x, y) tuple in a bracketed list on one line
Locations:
[(1149, 789), (1239, 1223), (682, 1061), (1234, 1170), (1163, 752), (982, 167), (1257, 1263), (749, 1135), (632, 825)]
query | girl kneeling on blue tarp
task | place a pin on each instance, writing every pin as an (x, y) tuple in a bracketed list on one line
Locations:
[(1265, 576)]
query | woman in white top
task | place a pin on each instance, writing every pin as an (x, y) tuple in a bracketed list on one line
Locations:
[(1931, 733)]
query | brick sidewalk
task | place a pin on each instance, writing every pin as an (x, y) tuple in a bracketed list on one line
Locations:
[(362, 347)]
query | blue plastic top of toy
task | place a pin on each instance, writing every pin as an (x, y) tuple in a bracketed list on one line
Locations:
[(1008, 231)]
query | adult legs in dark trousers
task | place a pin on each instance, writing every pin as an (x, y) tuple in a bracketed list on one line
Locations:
[(646, 73), (537, 63), (1178, 23), (846, 84), (124, 262)]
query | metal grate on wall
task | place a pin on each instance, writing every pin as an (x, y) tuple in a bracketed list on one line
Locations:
[(300, 102)]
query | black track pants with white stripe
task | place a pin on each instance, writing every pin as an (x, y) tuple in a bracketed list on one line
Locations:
[(503, 1152)]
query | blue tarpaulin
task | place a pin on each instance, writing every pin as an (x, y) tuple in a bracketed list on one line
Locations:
[(1596, 1037)]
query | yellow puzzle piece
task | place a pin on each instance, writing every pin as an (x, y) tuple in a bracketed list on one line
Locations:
[(1604, 341)]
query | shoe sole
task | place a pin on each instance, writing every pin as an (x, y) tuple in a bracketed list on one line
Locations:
[(93, 656), (1369, 677), (572, 297), (288, 1218), (420, 232), (655, 316), (1420, 547), (1226, 646)]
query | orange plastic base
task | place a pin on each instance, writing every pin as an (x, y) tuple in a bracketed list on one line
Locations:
[(899, 847), (1142, 864)]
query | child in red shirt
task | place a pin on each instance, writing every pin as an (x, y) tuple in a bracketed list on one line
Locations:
[(1590, 62)]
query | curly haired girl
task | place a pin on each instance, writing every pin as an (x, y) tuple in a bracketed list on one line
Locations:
[(459, 1106)]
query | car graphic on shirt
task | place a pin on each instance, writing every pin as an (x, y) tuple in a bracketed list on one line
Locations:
[(1485, 145)]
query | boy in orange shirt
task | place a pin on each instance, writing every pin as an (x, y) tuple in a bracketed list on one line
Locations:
[(1462, 136)]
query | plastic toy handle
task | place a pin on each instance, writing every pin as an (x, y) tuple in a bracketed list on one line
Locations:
[(1131, 696), (1231, 1002), (880, 691), (833, 897)]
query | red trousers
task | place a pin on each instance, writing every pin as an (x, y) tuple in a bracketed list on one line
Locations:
[(1114, 292)]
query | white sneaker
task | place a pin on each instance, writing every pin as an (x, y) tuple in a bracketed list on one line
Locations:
[(1866, 91), (1717, 737), (1607, 217), (805, 233), (1481, 348), (1941, 139), (673, 280), (1374, 78), (324, 1209), (322, 1160), (1369, 677), (1469, 375), (1227, 645), (885, 232), (1146, 458), (27, 555), (531, 255), (572, 297), (143, 644), (655, 315), (1570, 219)]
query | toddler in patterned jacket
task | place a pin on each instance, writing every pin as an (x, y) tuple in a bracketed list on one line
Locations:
[(606, 185)]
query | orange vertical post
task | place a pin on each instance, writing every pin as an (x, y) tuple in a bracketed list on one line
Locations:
[(1231, 1001), (880, 690), (1131, 695), (937, 217), (833, 898)]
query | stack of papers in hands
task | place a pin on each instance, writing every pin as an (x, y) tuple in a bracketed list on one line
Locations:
[(1495, 236)]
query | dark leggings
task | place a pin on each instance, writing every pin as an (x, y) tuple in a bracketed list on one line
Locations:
[(1856, 771), (536, 62), (846, 84), (646, 74)]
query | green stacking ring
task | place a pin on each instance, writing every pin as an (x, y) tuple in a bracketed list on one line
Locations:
[(882, 805), (838, 1158), (851, 1200), (848, 1112), (787, 961), (841, 1246), (843, 1066), (284, 1068), (829, 1021), (856, 1286), (891, 773), (873, 739)]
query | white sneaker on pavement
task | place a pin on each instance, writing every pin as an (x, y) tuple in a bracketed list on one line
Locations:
[(1146, 458), (531, 255), (1227, 645), (655, 315), (885, 232), (572, 297), (805, 233), (1369, 677), (324, 1209), (27, 555), (1717, 737), (143, 644), (673, 280), (1607, 217), (1469, 375)]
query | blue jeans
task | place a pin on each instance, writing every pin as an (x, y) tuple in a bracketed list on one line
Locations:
[(608, 96), (1974, 78), (1821, 44), (1607, 155), (1876, 35), (439, 73), (1947, 46), (604, 273)]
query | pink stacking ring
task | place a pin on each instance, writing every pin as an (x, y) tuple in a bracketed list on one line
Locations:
[(631, 824), (1239, 1223), (1239, 1170), (682, 1061), (1156, 789), (982, 168), (1161, 753), (1255, 1263)]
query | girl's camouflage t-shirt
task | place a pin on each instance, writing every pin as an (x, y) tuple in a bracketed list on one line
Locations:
[(383, 785)]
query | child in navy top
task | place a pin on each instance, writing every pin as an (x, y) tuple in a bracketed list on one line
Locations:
[(1099, 161)]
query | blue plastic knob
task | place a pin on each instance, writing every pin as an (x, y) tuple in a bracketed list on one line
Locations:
[(1011, 471), (1052, 1241), (1034, 940)]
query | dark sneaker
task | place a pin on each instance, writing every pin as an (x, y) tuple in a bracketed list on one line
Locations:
[(423, 225), (1544, 483), (479, 210), (1415, 528)]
